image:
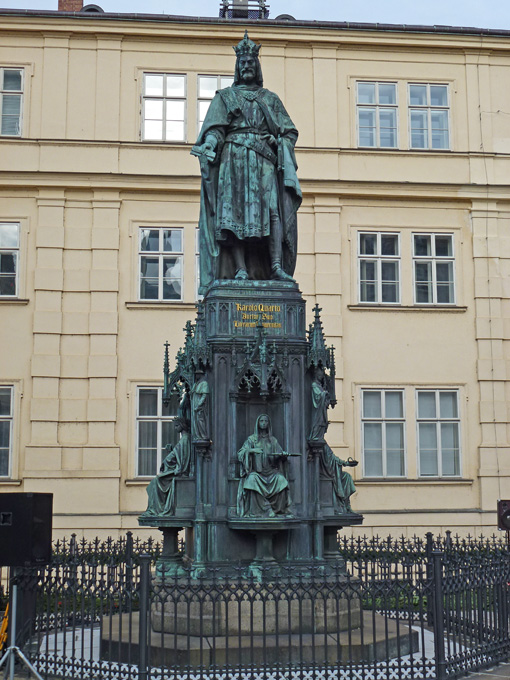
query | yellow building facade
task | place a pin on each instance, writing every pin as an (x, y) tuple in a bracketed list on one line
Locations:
[(404, 242)]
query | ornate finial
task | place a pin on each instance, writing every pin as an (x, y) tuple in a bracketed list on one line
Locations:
[(318, 355), (247, 46)]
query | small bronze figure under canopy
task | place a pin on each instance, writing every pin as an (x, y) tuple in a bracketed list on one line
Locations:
[(263, 488), (161, 489), (250, 190), (320, 403), (200, 408), (343, 484)]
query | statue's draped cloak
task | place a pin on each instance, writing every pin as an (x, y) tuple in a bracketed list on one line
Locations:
[(263, 488), (242, 187), (161, 489), (200, 410), (320, 403), (343, 483)]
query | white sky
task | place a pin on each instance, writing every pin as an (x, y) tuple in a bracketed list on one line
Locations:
[(479, 13)]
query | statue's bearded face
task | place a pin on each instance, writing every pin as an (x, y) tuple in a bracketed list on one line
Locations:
[(247, 69)]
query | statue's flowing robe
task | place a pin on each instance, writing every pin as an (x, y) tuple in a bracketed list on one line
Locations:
[(320, 403), (161, 489), (343, 484), (242, 188), (263, 488), (200, 410)]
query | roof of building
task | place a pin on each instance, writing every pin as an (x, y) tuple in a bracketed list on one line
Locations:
[(281, 23)]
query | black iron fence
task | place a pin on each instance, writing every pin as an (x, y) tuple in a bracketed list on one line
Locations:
[(415, 608)]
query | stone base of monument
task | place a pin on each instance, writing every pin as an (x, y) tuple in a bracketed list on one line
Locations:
[(378, 639)]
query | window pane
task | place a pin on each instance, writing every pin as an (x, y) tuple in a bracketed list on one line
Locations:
[(445, 293), (428, 449), (426, 404), (448, 405), (172, 240), (203, 107), (154, 109), (388, 138), (149, 289), (149, 240), (366, 93), (395, 436), (366, 137), (422, 245), (418, 95), (450, 448), (444, 246), (372, 405), (10, 125), (207, 86), (367, 292), (11, 105), (368, 244), (439, 120), (8, 263), (12, 80), (387, 93), (440, 139), (7, 284), (172, 267), (367, 268), (394, 405), (444, 271), (9, 235), (418, 119), (389, 244), (174, 110), (366, 118), (227, 81), (147, 462), (154, 85), (389, 271), (153, 130), (389, 292), (373, 436), (388, 118), (4, 462), (373, 464), (149, 266), (5, 401), (423, 271), (175, 86), (439, 95), (174, 131), (5, 433), (148, 402)]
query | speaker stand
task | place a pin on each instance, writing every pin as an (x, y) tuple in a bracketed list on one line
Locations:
[(11, 652)]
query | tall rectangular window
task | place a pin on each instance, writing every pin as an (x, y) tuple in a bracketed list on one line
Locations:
[(377, 114), (11, 101), (9, 259), (207, 87), (383, 433), (155, 429), (438, 433), (379, 267), (160, 264), (434, 281), (6, 418), (428, 116), (164, 107)]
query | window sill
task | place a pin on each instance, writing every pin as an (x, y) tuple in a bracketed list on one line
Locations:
[(170, 304), (138, 481), (13, 301), (454, 309), (10, 482), (422, 480)]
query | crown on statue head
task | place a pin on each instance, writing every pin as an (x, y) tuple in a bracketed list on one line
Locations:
[(247, 46)]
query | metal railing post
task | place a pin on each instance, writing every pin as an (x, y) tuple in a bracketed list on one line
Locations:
[(438, 608), (143, 642)]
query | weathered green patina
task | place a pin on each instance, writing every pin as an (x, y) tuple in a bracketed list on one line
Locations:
[(250, 190)]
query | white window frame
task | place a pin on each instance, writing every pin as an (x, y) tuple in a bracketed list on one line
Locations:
[(4, 93), (429, 108), (160, 254), (9, 418), (221, 82), (164, 98), (384, 420), (15, 252), (378, 258), (438, 421), (378, 107), (434, 260), (159, 418)]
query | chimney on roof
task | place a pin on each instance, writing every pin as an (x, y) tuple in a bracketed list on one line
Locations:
[(70, 5)]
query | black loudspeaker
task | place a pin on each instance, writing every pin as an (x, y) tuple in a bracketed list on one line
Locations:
[(504, 515), (25, 528)]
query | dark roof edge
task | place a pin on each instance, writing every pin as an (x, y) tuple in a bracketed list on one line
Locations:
[(327, 25)]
